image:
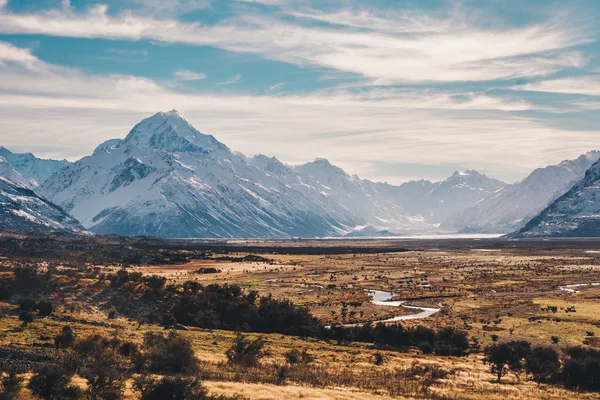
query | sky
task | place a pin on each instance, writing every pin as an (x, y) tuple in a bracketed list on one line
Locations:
[(390, 90)]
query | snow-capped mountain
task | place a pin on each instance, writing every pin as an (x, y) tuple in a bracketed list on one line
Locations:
[(509, 209), (26, 169), (168, 179), (436, 201), (24, 211), (574, 214)]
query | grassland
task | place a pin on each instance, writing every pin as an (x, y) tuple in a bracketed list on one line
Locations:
[(494, 294)]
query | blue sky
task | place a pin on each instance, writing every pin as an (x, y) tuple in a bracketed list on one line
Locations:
[(388, 90)]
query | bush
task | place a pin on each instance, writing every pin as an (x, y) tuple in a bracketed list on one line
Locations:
[(167, 388), (168, 354), (27, 305), (45, 308), (506, 357), (26, 317), (296, 356), (581, 369), (10, 384), (101, 368), (543, 363), (65, 339), (53, 382), (245, 352)]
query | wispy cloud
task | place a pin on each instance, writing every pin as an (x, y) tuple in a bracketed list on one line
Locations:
[(423, 127), (275, 87), (187, 75), (392, 50), (231, 80), (586, 85)]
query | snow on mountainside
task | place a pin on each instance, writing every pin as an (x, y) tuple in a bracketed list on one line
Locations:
[(436, 201), (23, 211), (26, 169), (509, 209), (574, 214), (168, 179)]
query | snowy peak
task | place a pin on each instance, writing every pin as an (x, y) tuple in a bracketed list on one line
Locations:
[(169, 131), (322, 170), (509, 209), (26, 169)]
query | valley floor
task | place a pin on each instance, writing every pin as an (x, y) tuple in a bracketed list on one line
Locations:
[(495, 293)]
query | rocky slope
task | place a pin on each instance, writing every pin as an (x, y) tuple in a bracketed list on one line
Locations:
[(24, 211)]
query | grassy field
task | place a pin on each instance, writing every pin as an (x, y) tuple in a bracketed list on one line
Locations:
[(495, 296)]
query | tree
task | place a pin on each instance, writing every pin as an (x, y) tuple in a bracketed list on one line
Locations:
[(506, 357), (543, 363)]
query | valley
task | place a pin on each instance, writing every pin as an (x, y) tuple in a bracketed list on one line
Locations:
[(493, 290)]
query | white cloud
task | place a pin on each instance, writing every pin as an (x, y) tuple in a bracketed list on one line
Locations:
[(186, 75), (353, 129), (231, 80), (586, 85), (436, 51), (275, 87)]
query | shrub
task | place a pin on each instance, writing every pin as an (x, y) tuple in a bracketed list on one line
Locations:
[(246, 352), (101, 368), (543, 363), (171, 387), (296, 356), (10, 384), (168, 354), (378, 358), (506, 357), (45, 308), (26, 317), (65, 339), (581, 369), (53, 382)]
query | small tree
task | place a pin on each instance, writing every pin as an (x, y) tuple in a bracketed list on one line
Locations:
[(246, 352), (506, 356)]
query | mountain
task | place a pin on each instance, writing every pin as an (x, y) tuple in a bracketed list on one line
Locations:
[(167, 179), (24, 211), (509, 209), (26, 169), (434, 202), (574, 214)]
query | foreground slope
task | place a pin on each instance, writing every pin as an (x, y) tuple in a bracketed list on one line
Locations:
[(24, 211), (575, 214), (509, 209)]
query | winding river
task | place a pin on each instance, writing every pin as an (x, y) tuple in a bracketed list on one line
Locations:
[(381, 298)]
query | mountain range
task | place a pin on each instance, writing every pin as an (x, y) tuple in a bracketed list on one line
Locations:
[(574, 214), (167, 179)]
